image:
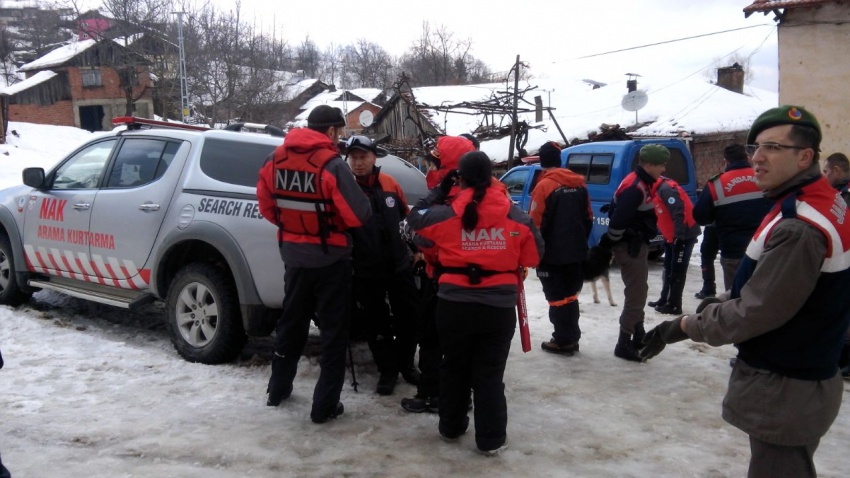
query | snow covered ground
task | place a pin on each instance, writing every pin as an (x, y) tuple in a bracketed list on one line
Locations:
[(95, 391)]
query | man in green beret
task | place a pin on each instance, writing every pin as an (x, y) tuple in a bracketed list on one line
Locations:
[(788, 308), (631, 226)]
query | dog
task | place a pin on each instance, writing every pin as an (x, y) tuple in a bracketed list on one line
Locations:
[(596, 266)]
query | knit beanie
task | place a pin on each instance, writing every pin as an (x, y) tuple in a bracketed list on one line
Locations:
[(786, 114), (323, 117), (654, 154), (735, 153), (550, 155)]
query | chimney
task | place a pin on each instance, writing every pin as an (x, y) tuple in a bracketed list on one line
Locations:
[(731, 78)]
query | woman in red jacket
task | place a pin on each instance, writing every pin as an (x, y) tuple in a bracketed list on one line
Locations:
[(481, 240)]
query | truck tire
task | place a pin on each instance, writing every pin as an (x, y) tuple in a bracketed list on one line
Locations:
[(203, 315), (10, 293)]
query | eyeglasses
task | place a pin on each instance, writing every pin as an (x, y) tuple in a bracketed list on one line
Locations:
[(769, 147), (359, 141)]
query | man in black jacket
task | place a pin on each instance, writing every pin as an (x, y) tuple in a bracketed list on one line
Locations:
[(383, 268)]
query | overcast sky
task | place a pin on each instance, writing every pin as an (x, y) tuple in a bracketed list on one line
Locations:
[(551, 36)]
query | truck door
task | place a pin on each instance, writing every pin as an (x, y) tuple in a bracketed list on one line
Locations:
[(56, 220), (519, 182), (130, 210)]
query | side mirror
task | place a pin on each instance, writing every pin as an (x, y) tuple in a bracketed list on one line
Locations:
[(34, 177)]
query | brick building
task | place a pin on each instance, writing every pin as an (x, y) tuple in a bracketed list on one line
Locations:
[(79, 85)]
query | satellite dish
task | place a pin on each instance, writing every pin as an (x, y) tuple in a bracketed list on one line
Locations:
[(634, 100), (366, 118)]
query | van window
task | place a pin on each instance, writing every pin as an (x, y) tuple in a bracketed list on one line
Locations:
[(515, 180), (677, 167), (596, 168), (234, 162)]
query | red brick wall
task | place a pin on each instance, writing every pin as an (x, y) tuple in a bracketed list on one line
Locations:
[(110, 85), (707, 151), (60, 113)]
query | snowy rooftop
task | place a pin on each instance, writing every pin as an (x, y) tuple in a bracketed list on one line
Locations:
[(39, 77), (59, 55)]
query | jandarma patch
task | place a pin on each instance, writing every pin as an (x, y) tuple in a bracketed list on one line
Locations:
[(513, 233), (795, 114)]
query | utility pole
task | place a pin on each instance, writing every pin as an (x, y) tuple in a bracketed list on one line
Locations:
[(514, 114), (184, 89)]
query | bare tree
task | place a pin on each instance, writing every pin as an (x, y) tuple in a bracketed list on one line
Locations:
[(743, 61), (308, 58), (367, 64), (437, 58)]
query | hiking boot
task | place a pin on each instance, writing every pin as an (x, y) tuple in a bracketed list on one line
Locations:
[(386, 383), (419, 404), (492, 452), (637, 338), (703, 294), (656, 303), (669, 309), (277, 394), (625, 350), (411, 376), (338, 410), (553, 347)]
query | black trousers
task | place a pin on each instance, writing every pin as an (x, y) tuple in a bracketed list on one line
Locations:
[(430, 353), (677, 256), (560, 282), (708, 249), (476, 340), (326, 293), (390, 329)]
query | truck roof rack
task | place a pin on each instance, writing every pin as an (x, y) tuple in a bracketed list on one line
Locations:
[(134, 123)]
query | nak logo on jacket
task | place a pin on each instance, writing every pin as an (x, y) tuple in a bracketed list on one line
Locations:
[(483, 239), (296, 181)]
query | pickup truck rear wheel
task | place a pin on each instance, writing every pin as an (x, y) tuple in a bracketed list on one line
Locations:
[(203, 315), (10, 293)]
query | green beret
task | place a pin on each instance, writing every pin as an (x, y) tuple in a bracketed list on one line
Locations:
[(654, 154), (785, 114)]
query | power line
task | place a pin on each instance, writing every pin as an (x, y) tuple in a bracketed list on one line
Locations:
[(671, 41)]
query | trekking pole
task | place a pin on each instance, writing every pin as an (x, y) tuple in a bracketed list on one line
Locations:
[(522, 312), (351, 361)]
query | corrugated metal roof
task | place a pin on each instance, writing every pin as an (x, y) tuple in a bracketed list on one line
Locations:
[(768, 5)]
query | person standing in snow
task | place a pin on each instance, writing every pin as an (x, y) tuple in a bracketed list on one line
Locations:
[(383, 269), (836, 170), (735, 205), (444, 160), (674, 211), (788, 308), (632, 225), (481, 239), (560, 208), (310, 194)]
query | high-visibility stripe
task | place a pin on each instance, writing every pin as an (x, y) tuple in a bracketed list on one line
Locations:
[(723, 200), (298, 205), (565, 301)]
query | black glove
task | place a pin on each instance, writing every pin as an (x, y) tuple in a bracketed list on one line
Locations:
[(449, 182), (605, 242), (706, 302), (668, 332)]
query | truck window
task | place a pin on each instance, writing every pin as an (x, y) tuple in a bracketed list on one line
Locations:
[(596, 168), (677, 167), (515, 180), (234, 162), (141, 161), (83, 169)]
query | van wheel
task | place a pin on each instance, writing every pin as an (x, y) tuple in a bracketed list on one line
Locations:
[(203, 315), (10, 293)]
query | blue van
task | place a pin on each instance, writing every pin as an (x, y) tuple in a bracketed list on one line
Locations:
[(604, 164)]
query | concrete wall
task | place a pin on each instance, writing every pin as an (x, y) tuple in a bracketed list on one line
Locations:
[(814, 68)]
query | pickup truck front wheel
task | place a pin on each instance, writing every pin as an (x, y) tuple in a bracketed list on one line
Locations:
[(10, 293), (203, 315)]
